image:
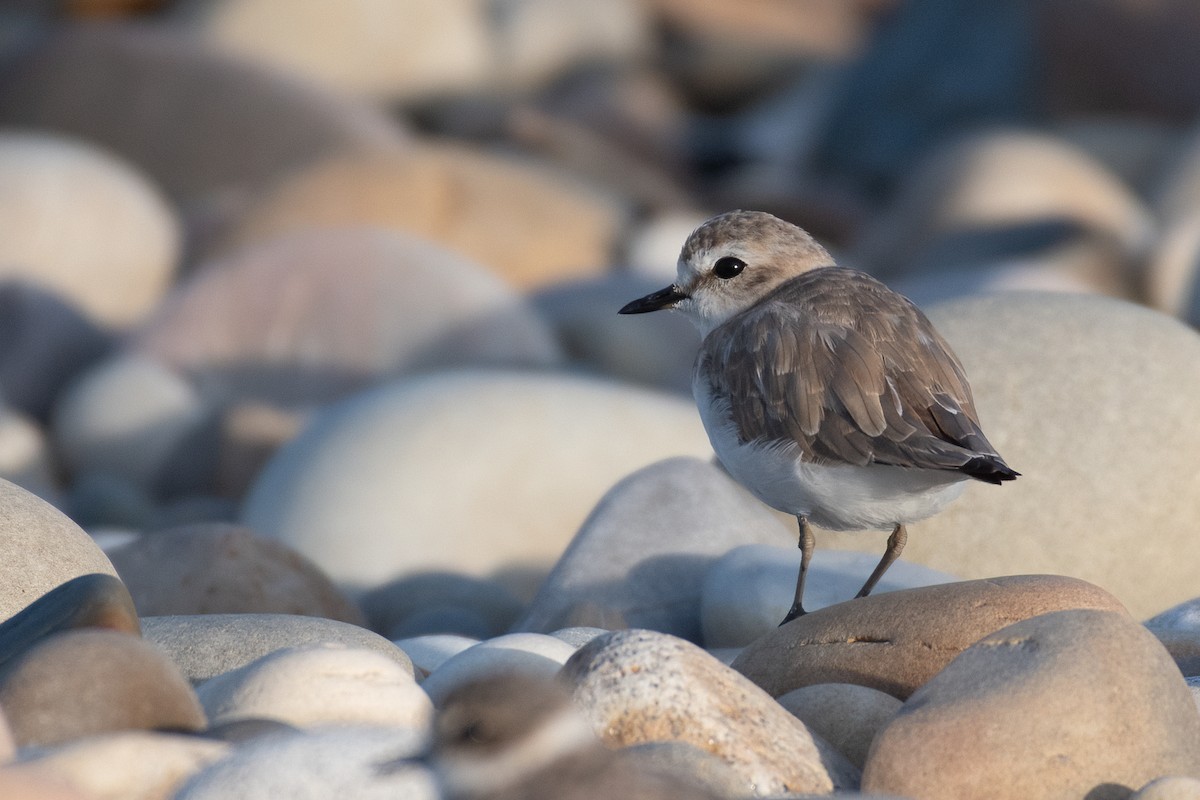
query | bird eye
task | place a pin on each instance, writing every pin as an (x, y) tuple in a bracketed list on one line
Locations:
[(728, 267)]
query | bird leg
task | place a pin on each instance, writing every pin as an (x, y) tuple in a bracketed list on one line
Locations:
[(895, 545), (807, 545)]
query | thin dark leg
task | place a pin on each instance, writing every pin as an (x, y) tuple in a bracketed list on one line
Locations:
[(807, 545), (895, 545)]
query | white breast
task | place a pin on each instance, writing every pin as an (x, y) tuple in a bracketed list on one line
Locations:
[(836, 497)]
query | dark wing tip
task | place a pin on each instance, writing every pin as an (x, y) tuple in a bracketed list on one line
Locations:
[(989, 469)]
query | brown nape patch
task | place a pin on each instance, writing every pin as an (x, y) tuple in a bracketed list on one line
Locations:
[(752, 226)]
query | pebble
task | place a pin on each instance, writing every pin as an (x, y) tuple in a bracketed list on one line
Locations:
[(35, 783), (683, 763), (750, 589), (528, 653), (528, 222), (208, 645), (25, 457), (432, 650), (40, 550), (45, 342), (846, 715), (1169, 788), (317, 685), (1030, 711), (88, 601), (316, 765), (115, 241), (352, 492), (413, 606), (127, 765), (1130, 362), (135, 419), (84, 682), (1173, 271), (897, 641), (639, 686), (77, 80), (640, 559), (655, 350), (214, 568), (363, 305)]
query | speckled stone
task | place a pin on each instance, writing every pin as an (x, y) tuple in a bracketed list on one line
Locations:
[(895, 642), (1031, 711), (40, 550), (640, 558), (846, 715), (532, 653), (214, 568), (89, 601), (207, 645), (78, 683), (639, 686), (129, 765), (321, 684), (683, 763)]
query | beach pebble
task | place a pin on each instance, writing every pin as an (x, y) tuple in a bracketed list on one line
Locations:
[(319, 684), (40, 550), (1138, 368), (431, 651), (529, 223), (1169, 788), (1030, 711), (25, 457), (999, 178), (846, 715), (639, 686), (1173, 271), (532, 653), (366, 763), (135, 419), (95, 600), (225, 569), (45, 342), (207, 645), (78, 80), (683, 764), (128, 765), (897, 641), (36, 783), (579, 635), (249, 432), (78, 221), (83, 682), (1178, 628), (441, 602), (362, 305), (377, 487), (640, 559), (654, 350), (750, 588)]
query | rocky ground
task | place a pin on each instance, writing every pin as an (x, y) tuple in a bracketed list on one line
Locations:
[(320, 433)]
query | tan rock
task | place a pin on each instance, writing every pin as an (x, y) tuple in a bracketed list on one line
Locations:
[(639, 686), (895, 642), (129, 765), (1037, 364), (34, 783), (529, 223), (82, 682), (215, 568), (846, 715), (1067, 704)]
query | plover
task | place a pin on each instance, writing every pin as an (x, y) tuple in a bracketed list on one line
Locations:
[(516, 737), (826, 394)]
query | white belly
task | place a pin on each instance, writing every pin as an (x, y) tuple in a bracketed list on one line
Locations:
[(835, 497)]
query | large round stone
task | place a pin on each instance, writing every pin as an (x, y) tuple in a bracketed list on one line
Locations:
[(312, 316), (1069, 704), (80, 222), (40, 549), (531, 224), (1093, 401), (470, 471)]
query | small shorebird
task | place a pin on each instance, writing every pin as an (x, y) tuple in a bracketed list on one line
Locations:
[(516, 737), (823, 392)]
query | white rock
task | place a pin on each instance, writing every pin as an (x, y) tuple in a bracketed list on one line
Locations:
[(430, 652), (535, 653)]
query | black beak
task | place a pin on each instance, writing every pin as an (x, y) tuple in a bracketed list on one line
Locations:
[(663, 298)]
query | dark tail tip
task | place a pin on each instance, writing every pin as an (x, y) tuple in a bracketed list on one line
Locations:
[(989, 469)]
